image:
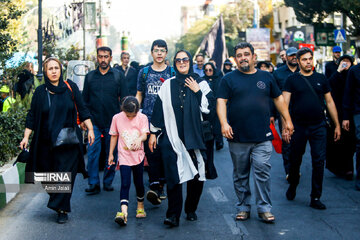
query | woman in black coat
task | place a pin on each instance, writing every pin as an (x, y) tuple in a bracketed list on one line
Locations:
[(176, 124), (54, 107), (213, 79), (340, 154)]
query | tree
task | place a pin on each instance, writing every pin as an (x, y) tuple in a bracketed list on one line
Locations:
[(310, 11), (237, 17), (10, 12)]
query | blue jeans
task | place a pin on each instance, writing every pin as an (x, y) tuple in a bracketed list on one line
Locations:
[(357, 132), (138, 171), (93, 158), (316, 135)]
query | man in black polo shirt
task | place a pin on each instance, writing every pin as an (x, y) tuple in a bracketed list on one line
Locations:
[(331, 67), (129, 72), (244, 113), (280, 76), (307, 112), (103, 90)]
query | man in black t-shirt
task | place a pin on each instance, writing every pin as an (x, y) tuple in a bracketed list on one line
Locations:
[(331, 67), (244, 113), (307, 112)]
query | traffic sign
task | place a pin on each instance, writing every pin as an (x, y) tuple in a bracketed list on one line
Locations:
[(340, 36), (324, 34)]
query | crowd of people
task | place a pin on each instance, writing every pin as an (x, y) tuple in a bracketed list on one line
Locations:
[(170, 118)]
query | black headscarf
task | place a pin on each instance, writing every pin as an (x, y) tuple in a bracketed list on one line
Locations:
[(182, 77), (214, 71), (192, 122), (60, 104)]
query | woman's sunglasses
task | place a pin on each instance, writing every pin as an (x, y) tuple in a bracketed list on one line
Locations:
[(184, 60)]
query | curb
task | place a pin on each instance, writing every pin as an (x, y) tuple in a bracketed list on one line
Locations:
[(10, 174)]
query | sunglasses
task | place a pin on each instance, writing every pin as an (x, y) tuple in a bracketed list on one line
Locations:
[(184, 60), (208, 70)]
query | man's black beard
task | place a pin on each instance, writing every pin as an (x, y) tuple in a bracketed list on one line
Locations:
[(245, 68), (292, 64), (104, 68), (306, 71)]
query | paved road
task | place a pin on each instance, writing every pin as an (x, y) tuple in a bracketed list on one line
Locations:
[(27, 217)]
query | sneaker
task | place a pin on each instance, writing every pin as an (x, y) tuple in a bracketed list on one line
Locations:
[(191, 216), (62, 217), (153, 197), (93, 189), (172, 221), (162, 194), (317, 204), (108, 187)]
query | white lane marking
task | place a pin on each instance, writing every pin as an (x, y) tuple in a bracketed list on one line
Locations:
[(218, 194)]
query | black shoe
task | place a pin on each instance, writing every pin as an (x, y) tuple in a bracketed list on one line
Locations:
[(172, 221), (108, 187), (62, 217), (153, 197), (219, 146), (93, 189), (191, 216), (317, 204), (291, 193)]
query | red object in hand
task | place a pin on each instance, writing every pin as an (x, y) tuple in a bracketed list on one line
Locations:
[(276, 142), (162, 80)]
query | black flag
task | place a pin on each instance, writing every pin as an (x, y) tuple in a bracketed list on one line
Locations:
[(214, 44)]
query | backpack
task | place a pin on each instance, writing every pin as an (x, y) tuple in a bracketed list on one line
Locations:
[(146, 71)]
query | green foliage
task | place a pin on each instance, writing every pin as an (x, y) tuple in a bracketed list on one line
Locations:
[(237, 17), (309, 11), (10, 11), (12, 125)]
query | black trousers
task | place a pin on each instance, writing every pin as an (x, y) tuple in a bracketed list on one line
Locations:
[(156, 166), (285, 151), (175, 198), (340, 154), (316, 135), (65, 159)]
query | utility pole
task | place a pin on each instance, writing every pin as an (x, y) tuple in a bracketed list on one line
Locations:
[(40, 47), (84, 32)]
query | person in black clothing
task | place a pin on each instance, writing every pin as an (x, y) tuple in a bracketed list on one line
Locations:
[(129, 72), (351, 111), (227, 66), (54, 106), (26, 80), (340, 154), (176, 115), (332, 67), (103, 90), (282, 55), (307, 113), (280, 76), (213, 80), (263, 65)]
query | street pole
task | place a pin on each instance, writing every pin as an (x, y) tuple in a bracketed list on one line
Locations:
[(40, 50), (84, 32)]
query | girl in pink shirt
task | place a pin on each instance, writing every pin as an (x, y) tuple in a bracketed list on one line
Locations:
[(129, 129)]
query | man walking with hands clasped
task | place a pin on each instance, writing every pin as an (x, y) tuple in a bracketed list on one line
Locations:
[(244, 113)]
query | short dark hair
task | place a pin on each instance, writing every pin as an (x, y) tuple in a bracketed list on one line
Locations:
[(303, 51), (130, 104), (159, 43), (124, 53), (199, 55), (105, 49), (243, 45)]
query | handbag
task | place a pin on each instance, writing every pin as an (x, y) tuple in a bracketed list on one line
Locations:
[(67, 136), (322, 104)]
